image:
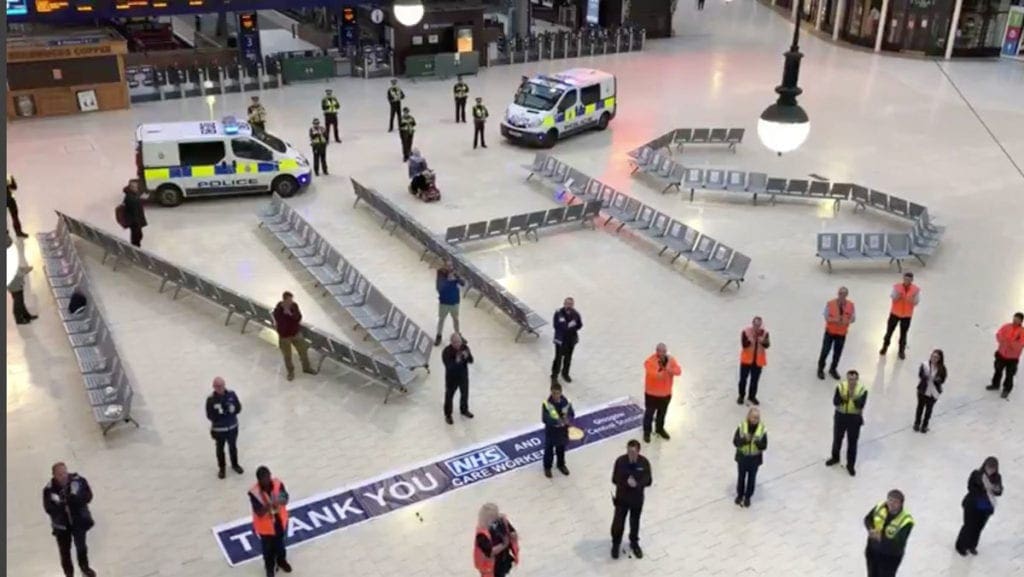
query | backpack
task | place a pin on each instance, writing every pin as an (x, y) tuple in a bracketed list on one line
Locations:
[(121, 215)]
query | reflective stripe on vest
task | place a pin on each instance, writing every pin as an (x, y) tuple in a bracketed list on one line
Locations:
[(407, 124), (748, 356), (552, 411), (750, 448), (847, 404), (264, 524), (483, 563), (834, 310), (317, 136), (330, 105), (480, 112), (461, 90), (394, 94), (903, 307), (901, 520)]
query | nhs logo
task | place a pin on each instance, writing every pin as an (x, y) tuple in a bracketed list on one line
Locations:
[(470, 462)]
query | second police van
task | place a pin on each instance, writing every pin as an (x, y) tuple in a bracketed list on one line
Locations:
[(178, 160), (549, 107)]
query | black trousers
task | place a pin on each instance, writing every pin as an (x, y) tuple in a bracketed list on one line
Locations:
[(881, 565), (396, 113), (478, 133), (460, 110), (21, 314), (229, 438), (449, 395), (259, 126), (924, 407), (320, 160), (848, 426), (619, 522), (754, 373), (273, 552), (135, 235), (834, 343), (12, 207), (746, 477), (553, 451), (331, 120), (1005, 370), (654, 410), (64, 540), (970, 533), (890, 326), (700, 4), (563, 359), (406, 138)]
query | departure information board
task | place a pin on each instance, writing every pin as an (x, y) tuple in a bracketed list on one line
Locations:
[(17, 7), (48, 7), (55, 11)]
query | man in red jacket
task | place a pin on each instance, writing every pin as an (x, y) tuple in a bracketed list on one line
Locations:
[(1011, 342), (288, 322)]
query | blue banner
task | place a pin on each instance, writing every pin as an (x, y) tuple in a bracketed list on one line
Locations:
[(326, 513)]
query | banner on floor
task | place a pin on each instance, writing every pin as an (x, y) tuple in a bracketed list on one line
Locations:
[(326, 513)]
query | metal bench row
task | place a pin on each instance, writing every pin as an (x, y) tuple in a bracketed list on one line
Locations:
[(326, 345), (527, 320), (408, 344), (858, 246), (680, 137), (658, 227), (526, 223), (106, 383)]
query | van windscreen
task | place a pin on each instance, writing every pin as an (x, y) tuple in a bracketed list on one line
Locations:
[(538, 96), (270, 140)]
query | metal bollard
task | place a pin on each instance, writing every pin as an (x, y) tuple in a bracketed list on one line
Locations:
[(541, 42), (643, 37), (565, 45), (579, 44), (630, 39), (202, 77)]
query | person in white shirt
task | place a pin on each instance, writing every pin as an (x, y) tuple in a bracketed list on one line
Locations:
[(931, 376)]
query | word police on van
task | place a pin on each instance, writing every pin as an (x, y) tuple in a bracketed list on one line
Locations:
[(550, 107), (177, 160)]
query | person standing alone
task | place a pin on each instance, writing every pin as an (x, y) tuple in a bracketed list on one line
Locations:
[(12, 207), (134, 215), (557, 414), (905, 296), (661, 370), (318, 139), (631, 474), (456, 358), (931, 376), (567, 324), (395, 97), (222, 409), (1011, 342), (888, 525), (750, 440), (984, 486), (406, 131), (480, 115), (461, 92), (849, 400), (17, 289), (269, 501), (449, 295), (330, 106), (288, 322), (257, 115), (754, 342), (839, 315), (66, 500)]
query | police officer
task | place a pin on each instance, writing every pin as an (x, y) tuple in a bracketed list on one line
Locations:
[(556, 413), (750, 440), (318, 139), (66, 500), (406, 130), (849, 400), (269, 501), (12, 206), (257, 115), (631, 475), (888, 525), (461, 91), (330, 106), (222, 409), (395, 97), (567, 324), (479, 120)]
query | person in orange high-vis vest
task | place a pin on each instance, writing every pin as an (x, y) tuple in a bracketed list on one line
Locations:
[(496, 546), (1010, 338), (839, 315), (269, 501), (905, 296), (754, 342), (661, 369)]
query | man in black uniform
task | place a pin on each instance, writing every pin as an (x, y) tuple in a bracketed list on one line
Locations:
[(556, 413), (479, 120), (849, 400), (395, 97), (461, 92), (567, 324), (330, 106), (12, 206), (222, 408), (631, 475), (456, 358), (318, 141), (406, 130), (66, 500)]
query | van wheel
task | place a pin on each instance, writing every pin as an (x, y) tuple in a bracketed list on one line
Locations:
[(285, 186), (602, 123), (169, 195), (549, 139)]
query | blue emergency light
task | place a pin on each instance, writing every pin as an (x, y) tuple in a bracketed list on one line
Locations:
[(230, 125)]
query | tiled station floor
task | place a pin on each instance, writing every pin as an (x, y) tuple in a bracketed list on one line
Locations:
[(893, 123)]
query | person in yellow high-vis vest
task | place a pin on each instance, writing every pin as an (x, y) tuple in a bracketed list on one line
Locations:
[(330, 106), (750, 440), (849, 400), (889, 525), (557, 414), (257, 115)]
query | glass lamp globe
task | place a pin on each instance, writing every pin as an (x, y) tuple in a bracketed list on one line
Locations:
[(783, 129), (408, 12)]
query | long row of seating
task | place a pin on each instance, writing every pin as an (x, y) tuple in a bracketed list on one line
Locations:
[(326, 345), (527, 320), (526, 223), (730, 137), (106, 383), (408, 344), (673, 235), (854, 246)]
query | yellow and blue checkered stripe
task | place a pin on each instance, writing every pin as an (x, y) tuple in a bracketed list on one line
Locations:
[(200, 171), (572, 113)]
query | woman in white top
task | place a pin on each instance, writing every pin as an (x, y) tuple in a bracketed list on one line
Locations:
[(931, 376)]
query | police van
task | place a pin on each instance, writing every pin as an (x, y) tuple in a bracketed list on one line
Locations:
[(178, 160), (549, 107)]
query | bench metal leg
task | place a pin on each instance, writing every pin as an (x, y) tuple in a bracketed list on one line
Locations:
[(519, 334), (245, 324), (104, 259), (691, 194), (356, 202), (106, 428), (163, 283), (478, 299), (227, 321), (920, 260), (529, 176), (320, 363), (176, 291), (117, 260)]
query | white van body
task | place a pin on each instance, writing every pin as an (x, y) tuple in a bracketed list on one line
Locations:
[(549, 107), (178, 160)]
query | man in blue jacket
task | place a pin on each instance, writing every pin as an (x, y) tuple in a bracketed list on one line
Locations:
[(66, 500), (567, 323), (222, 408), (557, 413), (449, 295)]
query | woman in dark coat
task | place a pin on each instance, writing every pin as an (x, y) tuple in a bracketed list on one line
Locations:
[(983, 486)]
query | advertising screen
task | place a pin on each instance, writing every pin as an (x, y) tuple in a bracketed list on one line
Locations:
[(17, 7)]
